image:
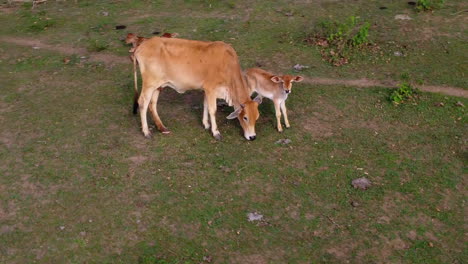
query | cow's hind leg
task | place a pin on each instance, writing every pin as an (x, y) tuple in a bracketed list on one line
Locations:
[(154, 112), (211, 101), (143, 103), (206, 122)]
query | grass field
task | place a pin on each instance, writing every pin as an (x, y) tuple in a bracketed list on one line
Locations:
[(80, 184)]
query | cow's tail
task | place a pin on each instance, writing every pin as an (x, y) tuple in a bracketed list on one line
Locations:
[(135, 77)]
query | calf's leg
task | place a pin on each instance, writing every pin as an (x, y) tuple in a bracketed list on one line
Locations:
[(278, 115), (283, 109)]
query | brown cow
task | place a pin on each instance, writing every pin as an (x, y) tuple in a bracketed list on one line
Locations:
[(195, 65), (274, 87)]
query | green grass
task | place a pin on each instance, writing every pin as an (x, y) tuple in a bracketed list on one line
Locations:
[(79, 183)]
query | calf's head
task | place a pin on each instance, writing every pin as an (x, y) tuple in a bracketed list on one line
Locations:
[(286, 81), (247, 113)]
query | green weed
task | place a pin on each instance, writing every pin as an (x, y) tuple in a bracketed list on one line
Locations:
[(339, 40), (429, 5), (97, 45), (37, 22), (404, 93)]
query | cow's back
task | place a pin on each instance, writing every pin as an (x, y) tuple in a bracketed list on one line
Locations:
[(187, 62)]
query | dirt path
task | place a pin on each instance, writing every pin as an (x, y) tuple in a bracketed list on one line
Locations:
[(114, 59)]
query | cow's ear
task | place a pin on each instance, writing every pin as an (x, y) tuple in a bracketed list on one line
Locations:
[(234, 114), (258, 99), (276, 79), (298, 78)]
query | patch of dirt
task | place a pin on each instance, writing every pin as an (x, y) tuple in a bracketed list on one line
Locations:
[(114, 59), (319, 125), (263, 257), (448, 90), (109, 59), (249, 259), (343, 250), (189, 230), (7, 139)]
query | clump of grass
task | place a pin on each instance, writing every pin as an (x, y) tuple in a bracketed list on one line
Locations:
[(37, 22), (404, 93), (97, 45), (339, 39), (429, 5)]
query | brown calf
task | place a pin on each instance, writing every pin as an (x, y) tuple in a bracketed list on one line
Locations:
[(274, 87)]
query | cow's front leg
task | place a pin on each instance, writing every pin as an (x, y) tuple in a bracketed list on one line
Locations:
[(278, 115), (283, 109), (211, 100), (206, 122)]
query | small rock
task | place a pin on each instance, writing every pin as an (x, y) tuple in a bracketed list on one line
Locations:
[(361, 183), (440, 104), (382, 7), (36, 48), (460, 104), (119, 27), (397, 54), (299, 67), (207, 259), (105, 13), (83, 57), (402, 17), (411, 3), (284, 141), (62, 227), (254, 217), (354, 204)]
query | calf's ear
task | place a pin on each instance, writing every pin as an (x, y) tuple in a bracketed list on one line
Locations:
[(276, 79), (298, 78), (258, 99), (234, 114)]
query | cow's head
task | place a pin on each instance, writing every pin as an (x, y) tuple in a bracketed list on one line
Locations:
[(247, 113), (286, 81)]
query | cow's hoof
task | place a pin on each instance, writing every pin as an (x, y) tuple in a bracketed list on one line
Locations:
[(218, 137), (164, 130), (148, 136)]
